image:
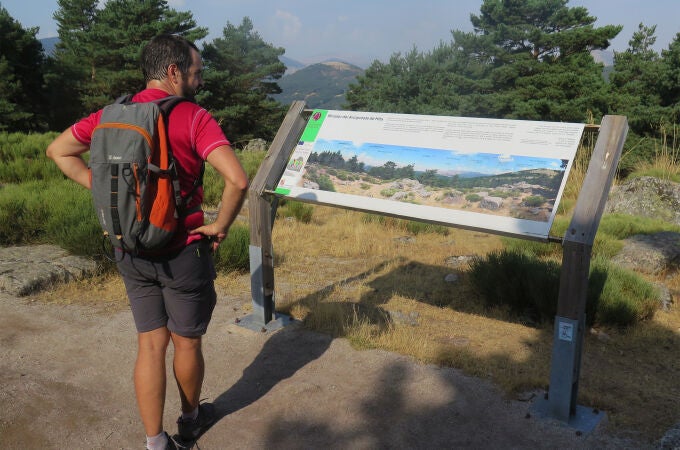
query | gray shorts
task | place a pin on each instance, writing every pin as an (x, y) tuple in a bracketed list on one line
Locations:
[(177, 291)]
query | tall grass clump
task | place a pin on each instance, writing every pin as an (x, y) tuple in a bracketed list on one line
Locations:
[(665, 164), (518, 280), (529, 287), (300, 211), (233, 253), (619, 297)]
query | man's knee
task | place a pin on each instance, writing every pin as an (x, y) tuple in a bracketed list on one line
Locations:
[(155, 341), (184, 343)]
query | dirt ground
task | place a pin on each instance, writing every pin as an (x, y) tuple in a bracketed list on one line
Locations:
[(67, 383)]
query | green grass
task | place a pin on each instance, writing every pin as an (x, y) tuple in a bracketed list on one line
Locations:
[(528, 285), (302, 212), (39, 205), (233, 253)]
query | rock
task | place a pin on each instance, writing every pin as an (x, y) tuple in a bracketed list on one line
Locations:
[(646, 197), (458, 261), (650, 253), (399, 196), (492, 203), (256, 145), (407, 184), (28, 269)]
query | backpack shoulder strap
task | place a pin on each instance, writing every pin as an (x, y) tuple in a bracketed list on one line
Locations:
[(124, 99), (167, 104)]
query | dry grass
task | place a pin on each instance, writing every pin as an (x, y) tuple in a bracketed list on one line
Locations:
[(357, 280), (105, 292)]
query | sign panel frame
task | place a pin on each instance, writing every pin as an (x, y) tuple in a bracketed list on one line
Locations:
[(521, 168)]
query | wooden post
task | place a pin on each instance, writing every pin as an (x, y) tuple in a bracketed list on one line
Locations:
[(262, 210), (577, 247)]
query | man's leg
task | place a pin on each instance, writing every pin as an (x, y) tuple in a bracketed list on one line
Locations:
[(189, 368), (150, 380)]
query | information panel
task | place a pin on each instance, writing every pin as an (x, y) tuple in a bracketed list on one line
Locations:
[(502, 175)]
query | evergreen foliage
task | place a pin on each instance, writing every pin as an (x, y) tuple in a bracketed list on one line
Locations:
[(241, 73), (97, 58), (21, 77), (524, 60)]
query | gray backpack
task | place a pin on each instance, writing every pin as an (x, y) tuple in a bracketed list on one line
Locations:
[(135, 188)]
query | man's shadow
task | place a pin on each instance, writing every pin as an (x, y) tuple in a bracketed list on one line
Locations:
[(286, 351)]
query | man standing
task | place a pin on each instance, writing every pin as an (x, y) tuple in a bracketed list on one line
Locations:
[(171, 291)]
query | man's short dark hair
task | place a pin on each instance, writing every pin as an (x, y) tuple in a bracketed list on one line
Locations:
[(161, 52)]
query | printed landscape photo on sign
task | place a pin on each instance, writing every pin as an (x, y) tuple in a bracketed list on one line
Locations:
[(501, 175)]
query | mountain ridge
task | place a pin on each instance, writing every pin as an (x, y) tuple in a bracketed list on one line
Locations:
[(321, 85)]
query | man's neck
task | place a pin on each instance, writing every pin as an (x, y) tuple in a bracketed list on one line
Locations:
[(163, 85)]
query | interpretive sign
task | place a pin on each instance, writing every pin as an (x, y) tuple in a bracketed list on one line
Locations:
[(502, 175)]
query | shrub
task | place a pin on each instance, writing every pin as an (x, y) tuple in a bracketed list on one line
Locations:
[(534, 200), (302, 212), (57, 212), (529, 286), (618, 296), (72, 223), (233, 253), (23, 158), (473, 198)]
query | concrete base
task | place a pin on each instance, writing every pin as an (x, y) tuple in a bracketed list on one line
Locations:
[(585, 420), (254, 323)]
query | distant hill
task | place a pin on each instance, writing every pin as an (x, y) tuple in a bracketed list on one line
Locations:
[(321, 85), (49, 45), (292, 65)]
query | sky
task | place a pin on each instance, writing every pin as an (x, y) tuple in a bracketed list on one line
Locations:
[(361, 31), (444, 161)]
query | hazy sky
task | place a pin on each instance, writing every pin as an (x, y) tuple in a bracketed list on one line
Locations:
[(360, 31)]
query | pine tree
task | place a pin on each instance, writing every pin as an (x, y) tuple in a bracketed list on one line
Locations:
[(635, 79), (525, 59), (241, 73), (21, 77), (100, 47)]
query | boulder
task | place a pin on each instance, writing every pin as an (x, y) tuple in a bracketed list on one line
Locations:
[(646, 197), (28, 269)]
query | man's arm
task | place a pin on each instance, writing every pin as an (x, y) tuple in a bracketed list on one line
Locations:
[(224, 160), (66, 152)]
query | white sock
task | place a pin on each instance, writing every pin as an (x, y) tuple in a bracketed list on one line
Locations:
[(190, 416), (158, 442)]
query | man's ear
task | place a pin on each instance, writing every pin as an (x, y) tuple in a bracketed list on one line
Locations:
[(173, 73)]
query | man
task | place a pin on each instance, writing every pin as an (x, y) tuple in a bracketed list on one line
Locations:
[(171, 292)]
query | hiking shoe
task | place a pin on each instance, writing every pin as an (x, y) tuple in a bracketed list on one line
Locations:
[(172, 444), (190, 430)]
